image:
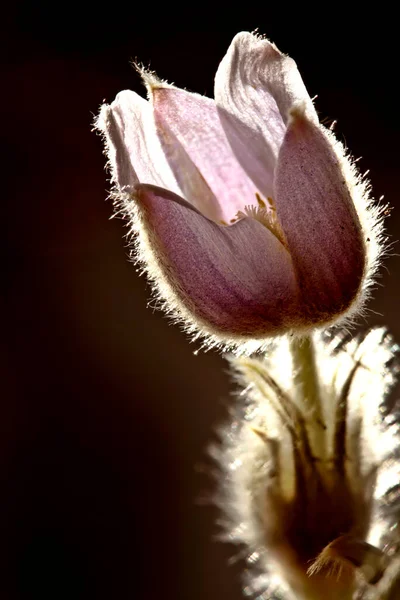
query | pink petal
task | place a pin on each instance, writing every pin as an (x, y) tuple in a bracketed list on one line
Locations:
[(238, 280), (255, 86), (129, 126), (321, 225), (124, 174), (194, 121), (194, 188)]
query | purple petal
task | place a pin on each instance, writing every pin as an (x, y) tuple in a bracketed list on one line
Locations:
[(194, 121), (130, 130), (236, 280), (316, 211), (255, 86)]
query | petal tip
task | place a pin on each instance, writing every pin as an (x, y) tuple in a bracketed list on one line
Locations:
[(297, 111), (299, 115), (151, 80)]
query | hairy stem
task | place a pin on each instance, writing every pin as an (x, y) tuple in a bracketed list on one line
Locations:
[(308, 391)]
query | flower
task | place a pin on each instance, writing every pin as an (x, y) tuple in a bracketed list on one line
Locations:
[(315, 502), (251, 220)]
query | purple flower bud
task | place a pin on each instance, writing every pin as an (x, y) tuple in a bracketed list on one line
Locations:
[(251, 220)]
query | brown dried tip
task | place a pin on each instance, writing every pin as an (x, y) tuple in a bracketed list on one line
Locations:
[(347, 554)]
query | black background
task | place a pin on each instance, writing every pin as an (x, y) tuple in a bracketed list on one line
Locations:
[(105, 410)]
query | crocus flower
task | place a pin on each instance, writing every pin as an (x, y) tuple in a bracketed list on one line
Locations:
[(315, 503), (251, 220)]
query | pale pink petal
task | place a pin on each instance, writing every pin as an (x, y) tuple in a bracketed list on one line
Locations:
[(132, 116), (237, 280), (317, 214), (255, 86), (194, 188), (123, 172), (194, 121)]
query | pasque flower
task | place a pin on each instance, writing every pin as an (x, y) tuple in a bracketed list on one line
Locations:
[(252, 221)]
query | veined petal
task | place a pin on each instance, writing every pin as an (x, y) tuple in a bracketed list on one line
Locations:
[(194, 188), (255, 87), (130, 128), (235, 280), (317, 214), (194, 120)]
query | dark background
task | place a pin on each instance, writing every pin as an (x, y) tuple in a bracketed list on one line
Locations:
[(106, 413)]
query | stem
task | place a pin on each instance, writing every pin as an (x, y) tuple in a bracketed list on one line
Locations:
[(308, 391)]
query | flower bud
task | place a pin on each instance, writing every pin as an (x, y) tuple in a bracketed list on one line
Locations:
[(250, 219)]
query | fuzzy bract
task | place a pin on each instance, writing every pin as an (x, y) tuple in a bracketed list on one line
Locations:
[(314, 500)]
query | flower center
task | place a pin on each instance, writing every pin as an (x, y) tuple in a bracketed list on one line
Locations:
[(265, 213)]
